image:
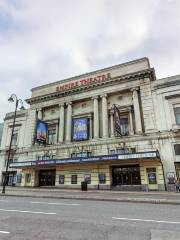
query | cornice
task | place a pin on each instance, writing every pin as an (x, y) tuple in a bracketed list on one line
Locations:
[(93, 73), (166, 84), (112, 81), (108, 141), (172, 96), (11, 116)]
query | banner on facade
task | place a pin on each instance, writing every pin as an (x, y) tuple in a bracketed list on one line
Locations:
[(117, 122), (80, 129), (41, 131)]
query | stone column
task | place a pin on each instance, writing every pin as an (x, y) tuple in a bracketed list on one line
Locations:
[(104, 115), (39, 113), (90, 127), (96, 117), (69, 122), (61, 123), (112, 124), (131, 128), (137, 113)]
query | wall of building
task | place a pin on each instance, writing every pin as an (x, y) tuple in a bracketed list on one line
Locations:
[(153, 127)]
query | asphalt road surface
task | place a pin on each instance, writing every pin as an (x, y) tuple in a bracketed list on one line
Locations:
[(46, 219)]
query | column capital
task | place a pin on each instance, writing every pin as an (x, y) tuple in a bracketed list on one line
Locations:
[(104, 95), (61, 104), (90, 116), (38, 109), (95, 97), (68, 103), (134, 89)]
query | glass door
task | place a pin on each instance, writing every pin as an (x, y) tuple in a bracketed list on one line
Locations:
[(126, 175)]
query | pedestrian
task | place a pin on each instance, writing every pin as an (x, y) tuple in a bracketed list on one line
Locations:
[(177, 185)]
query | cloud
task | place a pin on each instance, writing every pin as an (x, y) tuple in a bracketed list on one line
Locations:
[(42, 41)]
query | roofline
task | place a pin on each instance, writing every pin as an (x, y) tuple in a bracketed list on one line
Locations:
[(170, 77), (81, 88), (93, 72)]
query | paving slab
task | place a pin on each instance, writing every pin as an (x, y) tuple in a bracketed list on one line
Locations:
[(164, 235), (97, 195)]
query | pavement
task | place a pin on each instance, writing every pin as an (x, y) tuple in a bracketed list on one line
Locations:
[(26, 218), (154, 197)]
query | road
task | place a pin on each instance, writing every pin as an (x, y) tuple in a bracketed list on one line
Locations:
[(39, 218)]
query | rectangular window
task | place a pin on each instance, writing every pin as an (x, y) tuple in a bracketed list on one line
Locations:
[(10, 161), (52, 136), (81, 154), (122, 150), (177, 114), (73, 155), (177, 149), (61, 179), (112, 151), (46, 157), (151, 172), (102, 178), (39, 157), (73, 179), (28, 178), (87, 178), (14, 139), (19, 178), (124, 126)]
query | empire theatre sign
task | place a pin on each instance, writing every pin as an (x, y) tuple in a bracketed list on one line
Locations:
[(83, 82)]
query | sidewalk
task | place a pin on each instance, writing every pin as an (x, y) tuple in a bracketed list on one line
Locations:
[(97, 195)]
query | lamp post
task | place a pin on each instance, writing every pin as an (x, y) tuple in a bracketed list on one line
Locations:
[(13, 98)]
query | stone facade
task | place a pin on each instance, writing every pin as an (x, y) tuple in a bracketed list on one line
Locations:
[(104, 159)]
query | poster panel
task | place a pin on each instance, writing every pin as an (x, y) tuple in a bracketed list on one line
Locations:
[(80, 129), (170, 177), (87, 178), (41, 131), (102, 178), (61, 179)]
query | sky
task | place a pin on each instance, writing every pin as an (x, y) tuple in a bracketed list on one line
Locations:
[(43, 41)]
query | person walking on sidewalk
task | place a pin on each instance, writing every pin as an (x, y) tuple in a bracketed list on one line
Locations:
[(177, 185)]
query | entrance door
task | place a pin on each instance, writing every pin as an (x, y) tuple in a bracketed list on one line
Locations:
[(126, 175), (47, 177)]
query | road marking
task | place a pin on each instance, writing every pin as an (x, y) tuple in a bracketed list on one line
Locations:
[(54, 203), (21, 211), (144, 220), (4, 232)]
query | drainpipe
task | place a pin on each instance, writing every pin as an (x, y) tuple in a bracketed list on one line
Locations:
[(163, 175)]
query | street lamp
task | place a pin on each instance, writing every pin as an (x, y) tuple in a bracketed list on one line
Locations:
[(13, 98)]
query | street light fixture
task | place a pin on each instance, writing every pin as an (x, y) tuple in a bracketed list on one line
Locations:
[(13, 98)]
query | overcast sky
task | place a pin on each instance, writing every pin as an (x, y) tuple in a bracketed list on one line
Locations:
[(42, 41)]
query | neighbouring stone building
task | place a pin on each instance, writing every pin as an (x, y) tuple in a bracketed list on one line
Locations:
[(82, 144), (1, 130)]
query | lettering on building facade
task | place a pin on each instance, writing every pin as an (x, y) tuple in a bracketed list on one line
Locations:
[(83, 82)]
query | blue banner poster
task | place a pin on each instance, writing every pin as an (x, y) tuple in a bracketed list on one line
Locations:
[(80, 129), (41, 131)]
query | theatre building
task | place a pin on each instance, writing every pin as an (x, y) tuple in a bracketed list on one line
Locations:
[(100, 127)]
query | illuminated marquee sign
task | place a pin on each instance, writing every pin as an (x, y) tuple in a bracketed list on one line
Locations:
[(82, 82), (115, 157)]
